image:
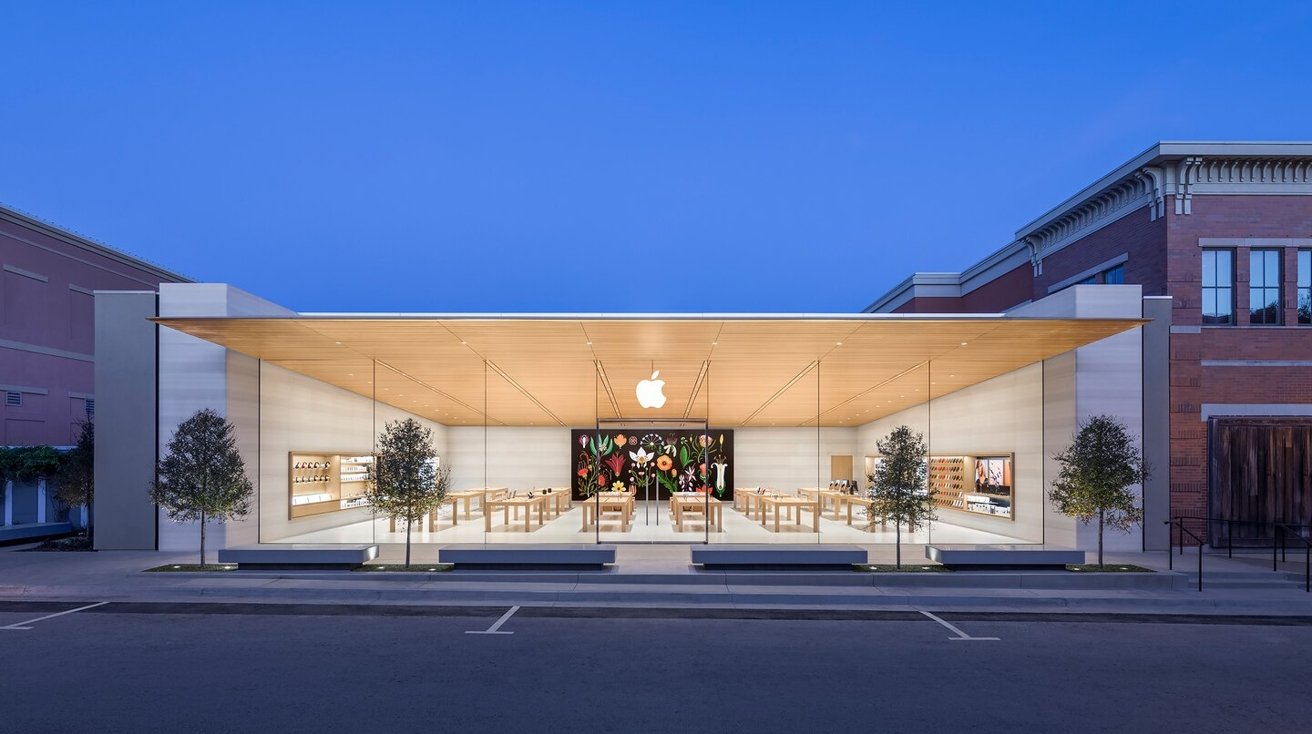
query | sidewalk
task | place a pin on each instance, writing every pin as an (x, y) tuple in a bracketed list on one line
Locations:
[(660, 576)]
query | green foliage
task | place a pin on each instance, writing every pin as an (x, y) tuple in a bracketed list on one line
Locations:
[(405, 481), (77, 472), (27, 463), (202, 476), (1097, 471), (899, 487)]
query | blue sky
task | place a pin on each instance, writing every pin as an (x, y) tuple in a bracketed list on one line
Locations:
[(607, 156)]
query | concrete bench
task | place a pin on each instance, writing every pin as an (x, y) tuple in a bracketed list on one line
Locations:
[(1003, 556), (33, 531), (512, 556), (298, 555), (778, 556)]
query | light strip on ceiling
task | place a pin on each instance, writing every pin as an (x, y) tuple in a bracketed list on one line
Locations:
[(525, 393), (869, 390), (697, 387), (427, 386), (605, 383), (805, 371)]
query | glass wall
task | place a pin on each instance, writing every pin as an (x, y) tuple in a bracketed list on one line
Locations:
[(722, 461)]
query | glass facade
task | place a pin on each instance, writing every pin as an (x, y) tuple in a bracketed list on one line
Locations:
[(721, 461), (1218, 287), (1264, 287), (1305, 286)]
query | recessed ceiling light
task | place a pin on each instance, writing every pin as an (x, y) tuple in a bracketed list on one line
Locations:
[(589, 343), (463, 343), (838, 344), (715, 344), (963, 344), (337, 342)]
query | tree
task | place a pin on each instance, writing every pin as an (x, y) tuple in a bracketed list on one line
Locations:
[(77, 475), (27, 463), (202, 476), (1097, 471), (405, 481), (898, 487)]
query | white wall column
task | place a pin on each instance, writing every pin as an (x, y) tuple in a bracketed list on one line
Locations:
[(9, 502), (41, 499)]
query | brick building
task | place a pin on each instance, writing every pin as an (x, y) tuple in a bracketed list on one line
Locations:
[(47, 325), (1225, 231)]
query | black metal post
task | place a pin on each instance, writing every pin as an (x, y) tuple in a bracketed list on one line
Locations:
[(1275, 533), (1200, 565), (1170, 546)]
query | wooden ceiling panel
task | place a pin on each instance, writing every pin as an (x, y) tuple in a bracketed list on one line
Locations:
[(742, 371)]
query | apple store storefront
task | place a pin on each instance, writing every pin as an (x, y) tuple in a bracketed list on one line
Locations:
[(579, 428)]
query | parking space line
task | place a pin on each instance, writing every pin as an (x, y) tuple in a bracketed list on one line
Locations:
[(493, 630), (23, 625), (953, 628)]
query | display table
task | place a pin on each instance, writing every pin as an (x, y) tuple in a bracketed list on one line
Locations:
[(824, 496), (696, 503), (853, 500), (508, 503), (608, 502), (751, 499), (791, 504)]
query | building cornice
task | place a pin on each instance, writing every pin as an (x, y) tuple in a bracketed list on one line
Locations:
[(88, 245), (1169, 170), (1174, 171)]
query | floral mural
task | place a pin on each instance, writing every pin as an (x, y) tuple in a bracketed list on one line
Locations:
[(654, 464)]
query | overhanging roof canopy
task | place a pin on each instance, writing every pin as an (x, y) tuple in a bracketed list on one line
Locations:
[(575, 370)]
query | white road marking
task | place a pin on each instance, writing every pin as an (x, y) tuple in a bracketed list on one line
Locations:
[(953, 628), (496, 625), (22, 625)]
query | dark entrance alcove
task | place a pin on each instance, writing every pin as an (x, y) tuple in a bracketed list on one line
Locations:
[(1260, 474)]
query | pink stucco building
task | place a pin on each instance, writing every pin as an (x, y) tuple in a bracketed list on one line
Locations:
[(48, 276)]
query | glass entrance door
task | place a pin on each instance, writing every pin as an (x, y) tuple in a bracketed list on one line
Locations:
[(653, 482)]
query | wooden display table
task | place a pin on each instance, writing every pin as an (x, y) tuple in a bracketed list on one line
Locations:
[(507, 503), (824, 496), (467, 496), (751, 499), (696, 503), (604, 502), (791, 504), (852, 500), (557, 500)]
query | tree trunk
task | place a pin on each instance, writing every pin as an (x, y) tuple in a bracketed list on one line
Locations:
[(202, 540), (1101, 515), (898, 523), (408, 524)]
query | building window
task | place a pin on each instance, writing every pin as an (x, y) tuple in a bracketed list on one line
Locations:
[(1218, 286), (1305, 286), (1114, 276), (14, 399), (90, 408), (1264, 287)]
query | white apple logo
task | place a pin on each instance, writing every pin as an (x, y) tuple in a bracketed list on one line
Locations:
[(651, 393)]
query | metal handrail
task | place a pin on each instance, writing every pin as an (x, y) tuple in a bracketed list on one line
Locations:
[(1282, 533), (1170, 551)]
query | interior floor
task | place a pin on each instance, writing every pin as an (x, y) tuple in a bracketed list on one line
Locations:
[(651, 523)]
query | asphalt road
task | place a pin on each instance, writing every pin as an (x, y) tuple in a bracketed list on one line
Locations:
[(239, 668)]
